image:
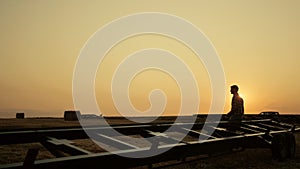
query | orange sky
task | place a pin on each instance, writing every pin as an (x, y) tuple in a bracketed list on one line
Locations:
[(257, 42)]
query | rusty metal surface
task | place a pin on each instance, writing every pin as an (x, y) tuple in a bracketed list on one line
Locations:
[(250, 134)]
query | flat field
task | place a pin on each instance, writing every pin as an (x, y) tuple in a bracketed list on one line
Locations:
[(249, 158)]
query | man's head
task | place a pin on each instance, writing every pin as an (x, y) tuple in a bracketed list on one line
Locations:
[(234, 89)]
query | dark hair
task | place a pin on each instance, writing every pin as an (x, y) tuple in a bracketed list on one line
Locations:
[(235, 87)]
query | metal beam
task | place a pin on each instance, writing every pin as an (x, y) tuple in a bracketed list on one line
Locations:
[(121, 145), (270, 127), (116, 159), (198, 134), (223, 132), (280, 124), (66, 146), (161, 137), (247, 130), (58, 140), (254, 127)]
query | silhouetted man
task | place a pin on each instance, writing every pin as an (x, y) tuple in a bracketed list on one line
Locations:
[(237, 107)]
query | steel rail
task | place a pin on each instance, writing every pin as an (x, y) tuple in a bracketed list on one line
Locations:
[(251, 134)]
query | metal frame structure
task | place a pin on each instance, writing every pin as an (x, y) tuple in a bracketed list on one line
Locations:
[(263, 133)]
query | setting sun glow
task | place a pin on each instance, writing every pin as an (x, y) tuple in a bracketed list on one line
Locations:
[(257, 43)]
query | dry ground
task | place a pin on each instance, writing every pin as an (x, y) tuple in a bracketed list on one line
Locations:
[(250, 158)]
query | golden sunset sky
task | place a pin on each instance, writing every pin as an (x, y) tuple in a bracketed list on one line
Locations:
[(257, 42)]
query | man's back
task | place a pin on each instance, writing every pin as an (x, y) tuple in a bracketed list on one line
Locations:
[(237, 105)]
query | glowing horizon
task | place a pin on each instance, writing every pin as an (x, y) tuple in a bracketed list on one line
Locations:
[(257, 43)]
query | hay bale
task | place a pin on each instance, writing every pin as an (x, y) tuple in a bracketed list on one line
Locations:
[(20, 115), (71, 115)]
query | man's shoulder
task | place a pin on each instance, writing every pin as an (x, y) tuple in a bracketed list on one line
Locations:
[(237, 97)]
